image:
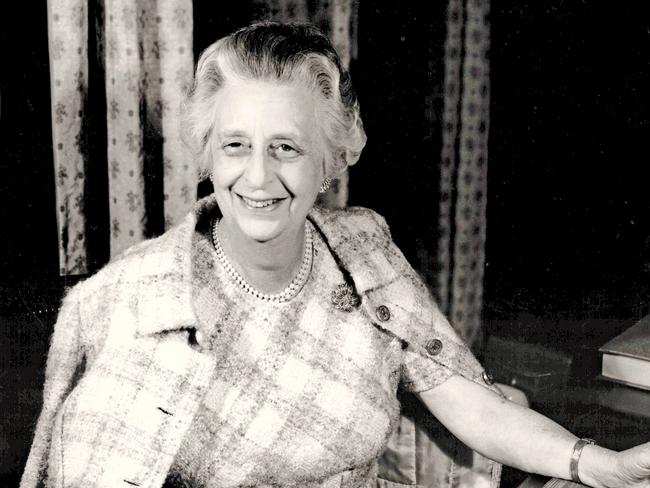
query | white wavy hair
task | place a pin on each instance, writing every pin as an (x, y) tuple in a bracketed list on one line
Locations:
[(285, 53)]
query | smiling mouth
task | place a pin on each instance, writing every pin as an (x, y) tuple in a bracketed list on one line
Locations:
[(259, 203)]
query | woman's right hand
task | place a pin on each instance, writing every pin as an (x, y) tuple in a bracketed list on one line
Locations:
[(634, 466), (601, 467)]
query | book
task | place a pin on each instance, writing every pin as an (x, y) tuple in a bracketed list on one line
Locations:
[(626, 358), (632, 401)]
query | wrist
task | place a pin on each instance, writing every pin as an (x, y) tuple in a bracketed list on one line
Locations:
[(597, 466)]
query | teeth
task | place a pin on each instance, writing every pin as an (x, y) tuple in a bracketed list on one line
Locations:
[(258, 203)]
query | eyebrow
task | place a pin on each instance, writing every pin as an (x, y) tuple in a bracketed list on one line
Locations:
[(279, 135), (232, 133), (286, 135)]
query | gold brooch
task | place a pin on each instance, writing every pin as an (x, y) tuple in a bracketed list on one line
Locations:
[(344, 298)]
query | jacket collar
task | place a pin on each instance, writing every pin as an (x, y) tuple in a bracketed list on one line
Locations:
[(164, 278)]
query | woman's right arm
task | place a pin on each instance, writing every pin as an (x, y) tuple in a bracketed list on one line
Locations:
[(63, 360), (517, 436)]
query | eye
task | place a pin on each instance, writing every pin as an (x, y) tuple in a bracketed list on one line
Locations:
[(285, 151), (234, 148)]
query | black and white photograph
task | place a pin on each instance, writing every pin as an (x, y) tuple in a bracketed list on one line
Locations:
[(325, 244)]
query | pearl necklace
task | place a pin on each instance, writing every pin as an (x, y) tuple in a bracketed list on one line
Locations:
[(285, 295)]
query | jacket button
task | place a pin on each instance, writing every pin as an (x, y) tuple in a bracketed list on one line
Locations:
[(434, 346), (488, 378), (383, 313)]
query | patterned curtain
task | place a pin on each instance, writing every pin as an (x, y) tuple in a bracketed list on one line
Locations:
[(148, 69), (68, 41), (147, 60), (463, 169), (147, 56)]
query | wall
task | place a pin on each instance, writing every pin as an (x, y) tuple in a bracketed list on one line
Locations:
[(568, 214)]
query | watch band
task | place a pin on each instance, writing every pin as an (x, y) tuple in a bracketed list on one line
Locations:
[(575, 457)]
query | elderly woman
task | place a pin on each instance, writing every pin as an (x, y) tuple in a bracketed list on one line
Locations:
[(263, 341)]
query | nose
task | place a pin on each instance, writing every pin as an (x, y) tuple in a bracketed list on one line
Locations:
[(258, 170)]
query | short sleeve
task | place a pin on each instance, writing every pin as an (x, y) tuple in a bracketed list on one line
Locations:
[(398, 301), (420, 373), (440, 352)]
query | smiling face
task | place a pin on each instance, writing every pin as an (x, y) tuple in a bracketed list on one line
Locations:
[(268, 158)]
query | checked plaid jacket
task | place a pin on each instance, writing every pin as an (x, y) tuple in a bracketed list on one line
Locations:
[(125, 334)]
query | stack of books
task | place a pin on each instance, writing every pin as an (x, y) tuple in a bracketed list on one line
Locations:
[(626, 358)]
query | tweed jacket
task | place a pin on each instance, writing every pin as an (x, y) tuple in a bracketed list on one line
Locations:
[(129, 334)]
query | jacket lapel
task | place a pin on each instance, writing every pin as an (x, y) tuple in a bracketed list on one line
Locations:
[(164, 277)]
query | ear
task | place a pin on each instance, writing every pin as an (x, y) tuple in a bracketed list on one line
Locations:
[(336, 167)]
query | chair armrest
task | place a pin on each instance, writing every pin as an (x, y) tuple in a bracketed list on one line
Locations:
[(538, 481)]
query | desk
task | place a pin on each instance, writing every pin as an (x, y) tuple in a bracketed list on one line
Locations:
[(564, 385), (617, 416)]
